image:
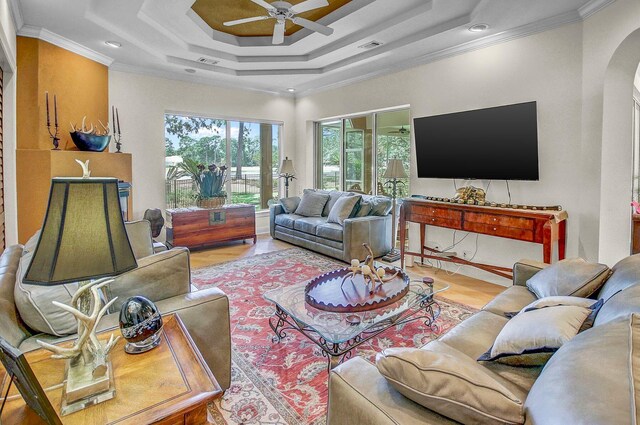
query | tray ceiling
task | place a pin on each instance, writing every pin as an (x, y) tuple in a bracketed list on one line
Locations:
[(168, 37), (215, 12)]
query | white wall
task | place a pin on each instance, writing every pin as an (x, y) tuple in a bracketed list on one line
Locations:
[(546, 67), (8, 65), (142, 102)]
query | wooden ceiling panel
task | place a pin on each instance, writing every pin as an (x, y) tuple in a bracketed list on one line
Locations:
[(215, 12)]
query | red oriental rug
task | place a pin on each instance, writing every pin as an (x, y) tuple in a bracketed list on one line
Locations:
[(286, 382)]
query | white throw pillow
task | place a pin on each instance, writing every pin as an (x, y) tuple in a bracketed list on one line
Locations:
[(531, 337)]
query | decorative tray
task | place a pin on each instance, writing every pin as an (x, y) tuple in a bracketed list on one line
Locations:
[(332, 292)]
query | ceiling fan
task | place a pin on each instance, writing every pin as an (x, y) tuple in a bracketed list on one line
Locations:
[(281, 11), (401, 130)]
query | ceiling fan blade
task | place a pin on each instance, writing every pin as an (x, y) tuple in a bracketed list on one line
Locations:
[(314, 26), (245, 20), (308, 5), (278, 33), (263, 4)]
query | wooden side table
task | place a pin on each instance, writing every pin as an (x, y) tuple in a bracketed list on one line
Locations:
[(203, 227), (168, 385)]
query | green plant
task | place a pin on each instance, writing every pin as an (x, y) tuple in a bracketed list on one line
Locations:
[(209, 181)]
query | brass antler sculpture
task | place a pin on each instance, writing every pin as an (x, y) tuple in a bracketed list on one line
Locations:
[(87, 347), (369, 272)]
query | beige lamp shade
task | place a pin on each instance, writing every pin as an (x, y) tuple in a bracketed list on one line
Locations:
[(395, 170), (83, 236), (287, 167)]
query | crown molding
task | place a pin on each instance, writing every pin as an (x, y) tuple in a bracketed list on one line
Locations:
[(594, 6), (65, 43), (16, 13), (193, 78)]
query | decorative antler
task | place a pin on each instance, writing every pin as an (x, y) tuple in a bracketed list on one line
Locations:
[(105, 131), (87, 345)]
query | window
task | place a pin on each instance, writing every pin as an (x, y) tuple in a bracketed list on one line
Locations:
[(352, 153), (250, 150)]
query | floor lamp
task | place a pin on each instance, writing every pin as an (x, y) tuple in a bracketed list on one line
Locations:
[(288, 172), (395, 171)]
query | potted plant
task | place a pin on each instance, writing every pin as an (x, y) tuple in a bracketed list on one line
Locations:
[(209, 181)]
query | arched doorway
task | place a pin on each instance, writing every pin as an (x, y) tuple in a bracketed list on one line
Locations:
[(617, 151)]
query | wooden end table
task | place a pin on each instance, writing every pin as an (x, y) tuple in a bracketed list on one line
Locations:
[(168, 385)]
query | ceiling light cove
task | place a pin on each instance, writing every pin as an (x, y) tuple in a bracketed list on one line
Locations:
[(282, 12), (113, 44)]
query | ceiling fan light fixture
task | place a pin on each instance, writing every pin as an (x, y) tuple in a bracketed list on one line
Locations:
[(113, 44), (479, 27)]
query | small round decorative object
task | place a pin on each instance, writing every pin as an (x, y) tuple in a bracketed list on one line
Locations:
[(140, 324), (353, 319)]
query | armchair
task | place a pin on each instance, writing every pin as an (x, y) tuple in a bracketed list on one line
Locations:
[(164, 278)]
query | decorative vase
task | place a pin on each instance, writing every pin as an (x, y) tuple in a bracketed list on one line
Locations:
[(215, 202), (90, 142), (140, 324)]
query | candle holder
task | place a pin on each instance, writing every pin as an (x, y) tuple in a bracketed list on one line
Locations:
[(116, 138), (54, 137)]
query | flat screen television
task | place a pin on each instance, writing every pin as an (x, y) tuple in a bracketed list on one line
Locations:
[(499, 143)]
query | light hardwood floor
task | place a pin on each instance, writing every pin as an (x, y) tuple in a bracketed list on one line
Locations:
[(463, 289)]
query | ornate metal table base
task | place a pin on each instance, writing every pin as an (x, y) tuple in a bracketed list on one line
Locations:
[(427, 310)]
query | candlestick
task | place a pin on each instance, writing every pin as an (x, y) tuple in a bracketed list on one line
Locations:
[(118, 118), (46, 96), (113, 117), (55, 109)]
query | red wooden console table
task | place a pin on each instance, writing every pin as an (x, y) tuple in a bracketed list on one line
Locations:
[(542, 227)]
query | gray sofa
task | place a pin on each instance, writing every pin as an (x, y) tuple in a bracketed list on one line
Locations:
[(164, 278), (592, 379), (332, 239)]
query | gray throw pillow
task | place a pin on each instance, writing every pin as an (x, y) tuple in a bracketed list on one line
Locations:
[(290, 204), (364, 209), (334, 195), (573, 277), (312, 204), (343, 208), (453, 384), (531, 338), (380, 205)]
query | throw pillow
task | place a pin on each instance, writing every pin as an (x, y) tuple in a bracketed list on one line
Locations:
[(290, 204), (530, 338), (343, 208), (312, 203), (35, 306), (380, 205), (589, 303), (334, 195), (452, 384), (573, 277), (363, 210)]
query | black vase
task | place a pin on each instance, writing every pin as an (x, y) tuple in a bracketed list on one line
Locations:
[(140, 324)]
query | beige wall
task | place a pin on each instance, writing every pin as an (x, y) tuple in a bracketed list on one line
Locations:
[(545, 67), (143, 101)]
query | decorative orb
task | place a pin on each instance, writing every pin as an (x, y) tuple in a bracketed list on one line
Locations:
[(366, 269), (140, 324), (381, 272), (355, 263)]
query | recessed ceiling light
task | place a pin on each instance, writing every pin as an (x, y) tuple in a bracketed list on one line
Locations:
[(190, 70), (479, 28), (291, 90), (113, 44)]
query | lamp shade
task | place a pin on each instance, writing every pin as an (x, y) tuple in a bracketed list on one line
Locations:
[(395, 170), (83, 236), (287, 167)]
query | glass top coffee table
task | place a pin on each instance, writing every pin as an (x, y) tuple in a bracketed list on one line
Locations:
[(337, 334)]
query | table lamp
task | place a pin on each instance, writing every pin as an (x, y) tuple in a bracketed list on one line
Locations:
[(288, 172), (83, 239), (395, 171)]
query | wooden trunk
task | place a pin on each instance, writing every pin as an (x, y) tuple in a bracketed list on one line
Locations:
[(203, 227)]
